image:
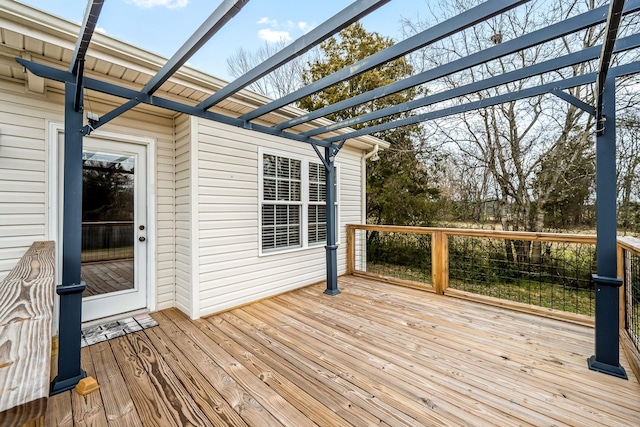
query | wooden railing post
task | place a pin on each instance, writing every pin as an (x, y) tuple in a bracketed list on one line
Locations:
[(351, 249), (440, 261), (623, 288)]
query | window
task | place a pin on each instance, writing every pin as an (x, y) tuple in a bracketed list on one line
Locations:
[(292, 203), (317, 213), (282, 202)]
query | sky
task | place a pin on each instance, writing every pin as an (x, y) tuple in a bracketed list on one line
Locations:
[(162, 26)]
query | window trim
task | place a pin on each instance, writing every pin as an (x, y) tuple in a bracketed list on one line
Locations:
[(304, 203)]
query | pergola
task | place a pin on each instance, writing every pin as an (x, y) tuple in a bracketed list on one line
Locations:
[(606, 357)]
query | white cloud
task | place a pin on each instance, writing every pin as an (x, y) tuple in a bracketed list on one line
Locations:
[(169, 4), (101, 30), (305, 26), (271, 36), (281, 32), (269, 21)]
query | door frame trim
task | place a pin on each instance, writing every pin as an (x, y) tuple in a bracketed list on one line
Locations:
[(53, 156)]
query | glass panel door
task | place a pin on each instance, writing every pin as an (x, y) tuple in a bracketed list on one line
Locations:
[(114, 225), (114, 221), (108, 205)]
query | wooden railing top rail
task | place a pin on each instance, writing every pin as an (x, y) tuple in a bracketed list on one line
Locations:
[(628, 243), (26, 311), (496, 234)]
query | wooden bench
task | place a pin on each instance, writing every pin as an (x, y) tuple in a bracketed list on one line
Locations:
[(26, 311)]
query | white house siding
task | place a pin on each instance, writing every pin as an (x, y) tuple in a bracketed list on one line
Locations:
[(183, 279), (165, 222), (230, 271), (23, 172), (24, 169)]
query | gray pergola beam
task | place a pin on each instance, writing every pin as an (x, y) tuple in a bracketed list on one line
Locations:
[(131, 94), (94, 7), (223, 14), (626, 43), (578, 103), (622, 70), (70, 289), (576, 23), (607, 283), (341, 20), (220, 16), (451, 26), (611, 33), (76, 66)]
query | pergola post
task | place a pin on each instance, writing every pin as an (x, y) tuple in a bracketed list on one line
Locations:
[(331, 247), (70, 291), (607, 284)]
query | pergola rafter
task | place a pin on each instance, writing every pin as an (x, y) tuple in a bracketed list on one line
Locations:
[(571, 25), (223, 13), (76, 66), (341, 20), (431, 35), (628, 43), (553, 88), (606, 354)]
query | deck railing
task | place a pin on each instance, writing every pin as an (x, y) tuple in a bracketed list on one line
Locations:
[(629, 271), (548, 273), (107, 240)]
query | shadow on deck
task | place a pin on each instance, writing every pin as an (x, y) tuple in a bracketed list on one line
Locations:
[(377, 354)]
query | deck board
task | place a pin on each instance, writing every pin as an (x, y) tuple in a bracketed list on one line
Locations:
[(208, 399), (377, 354), (88, 408), (152, 407), (251, 411), (118, 405)]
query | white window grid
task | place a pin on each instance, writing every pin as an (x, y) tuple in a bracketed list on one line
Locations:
[(303, 216)]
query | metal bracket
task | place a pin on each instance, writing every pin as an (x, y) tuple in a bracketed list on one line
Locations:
[(78, 99), (574, 101), (600, 125), (616, 282), (334, 149)]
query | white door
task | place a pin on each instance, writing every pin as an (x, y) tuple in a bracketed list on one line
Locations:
[(114, 227)]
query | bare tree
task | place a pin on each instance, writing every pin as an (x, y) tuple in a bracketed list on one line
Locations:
[(526, 149), (628, 145), (279, 82)]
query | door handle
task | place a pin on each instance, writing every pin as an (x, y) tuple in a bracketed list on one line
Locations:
[(142, 238)]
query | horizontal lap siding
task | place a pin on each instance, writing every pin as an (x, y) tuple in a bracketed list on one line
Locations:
[(230, 271), (183, 286), (350, 197), (165, 223), (23, 172)]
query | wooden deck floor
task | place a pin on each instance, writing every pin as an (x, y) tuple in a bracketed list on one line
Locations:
[(376, 354)]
